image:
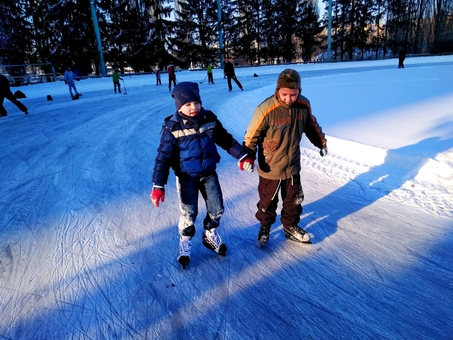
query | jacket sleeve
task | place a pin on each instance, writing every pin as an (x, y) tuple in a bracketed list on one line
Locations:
[(257, 128), (227, 142), (165, 153), (314, 132)]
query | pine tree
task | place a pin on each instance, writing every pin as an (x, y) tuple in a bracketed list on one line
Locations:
[(308, 29), (196, 33)]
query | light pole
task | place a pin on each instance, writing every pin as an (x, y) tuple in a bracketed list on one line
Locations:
[(329, 33), (219, 20), (98, 38)]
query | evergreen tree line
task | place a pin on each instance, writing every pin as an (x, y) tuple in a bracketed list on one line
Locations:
[(143, 34), (374, 27)]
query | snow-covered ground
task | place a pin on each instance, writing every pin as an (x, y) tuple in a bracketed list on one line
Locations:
[(84, 254)]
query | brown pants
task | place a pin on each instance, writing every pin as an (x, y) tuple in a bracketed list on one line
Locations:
[(292, 197)]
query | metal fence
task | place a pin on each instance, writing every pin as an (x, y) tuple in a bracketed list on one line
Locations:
[(25, 74)]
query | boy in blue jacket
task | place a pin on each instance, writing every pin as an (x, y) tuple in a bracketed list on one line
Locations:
[(188, 146)]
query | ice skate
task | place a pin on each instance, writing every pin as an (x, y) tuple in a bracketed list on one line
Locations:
[(212, 240), (296, 233), (185, 246), (263, 235)]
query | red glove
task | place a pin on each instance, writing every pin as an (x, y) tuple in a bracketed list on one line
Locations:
[(158, 194), (246, 164)]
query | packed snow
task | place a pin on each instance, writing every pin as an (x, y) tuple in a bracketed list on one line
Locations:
[(85, 255)]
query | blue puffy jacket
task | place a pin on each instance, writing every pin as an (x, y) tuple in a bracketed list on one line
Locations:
[(191, 151)]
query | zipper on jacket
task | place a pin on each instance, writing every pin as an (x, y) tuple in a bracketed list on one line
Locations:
[(289, 139), (200, 145)]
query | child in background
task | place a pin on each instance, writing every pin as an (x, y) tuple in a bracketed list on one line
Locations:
[(116, 80), (188, 146), (210, 75), (158, 82), (171, 75)]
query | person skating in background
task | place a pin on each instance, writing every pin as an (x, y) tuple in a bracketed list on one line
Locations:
[(230, 74), (274, 134), (158, 82), (5, 92), (401, 58), (188, 146), (69, 78), (171, 75), (210, 75), (116, 80)]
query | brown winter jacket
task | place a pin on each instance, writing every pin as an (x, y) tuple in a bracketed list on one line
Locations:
[(275, 132)]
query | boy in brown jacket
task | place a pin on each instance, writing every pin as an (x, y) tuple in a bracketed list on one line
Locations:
[(274, 133)]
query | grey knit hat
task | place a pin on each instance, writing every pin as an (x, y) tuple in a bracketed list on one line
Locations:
[(289, 78)]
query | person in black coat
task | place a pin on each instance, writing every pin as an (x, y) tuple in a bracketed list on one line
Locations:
[(230, 74), (401, 57), (5, 92)]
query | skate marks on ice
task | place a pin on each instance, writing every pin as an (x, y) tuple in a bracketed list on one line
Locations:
[(144, 294), (107, 264), (402, 176), (69, 216), (284, 290)]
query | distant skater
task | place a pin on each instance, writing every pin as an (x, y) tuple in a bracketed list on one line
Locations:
[(230, 74), (401, 58), (171, 75), (158, 82), (210, 75), (5, 92), (116, 80), (69, 78)]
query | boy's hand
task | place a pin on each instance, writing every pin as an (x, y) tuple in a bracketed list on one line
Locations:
[(246, 164), (323, 151), (158, 194)]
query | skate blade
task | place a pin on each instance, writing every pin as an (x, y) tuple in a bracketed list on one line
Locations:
[(263, 241), (184, 261), (292, 238), (222, 249)]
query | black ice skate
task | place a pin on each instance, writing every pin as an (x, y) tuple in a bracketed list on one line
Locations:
[(263, 235)]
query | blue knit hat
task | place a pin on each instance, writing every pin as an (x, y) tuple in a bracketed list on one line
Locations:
[(186, 92)]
